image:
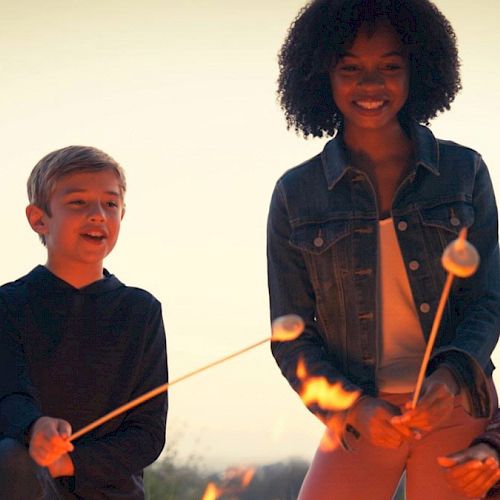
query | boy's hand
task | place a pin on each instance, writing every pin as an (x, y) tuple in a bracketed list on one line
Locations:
[(371, 417), (63, 466), (473, 471), (435, 405), (49, 440)]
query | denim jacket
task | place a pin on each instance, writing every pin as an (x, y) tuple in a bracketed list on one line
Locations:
[(322, 264)]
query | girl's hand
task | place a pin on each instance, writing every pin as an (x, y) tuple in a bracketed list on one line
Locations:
[(473, 471), (49, 440), (435, 405), (371, 417)]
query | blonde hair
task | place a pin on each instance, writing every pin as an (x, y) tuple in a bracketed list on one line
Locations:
[(52, 167)]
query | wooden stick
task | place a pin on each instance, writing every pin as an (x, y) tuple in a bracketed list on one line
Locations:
[(432, 338), (158, 390), (462, 262)]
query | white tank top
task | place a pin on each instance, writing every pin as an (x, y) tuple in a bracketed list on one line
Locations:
[(401, 344)]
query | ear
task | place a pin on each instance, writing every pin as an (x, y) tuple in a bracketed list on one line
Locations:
[(36, 218), (123, 212)]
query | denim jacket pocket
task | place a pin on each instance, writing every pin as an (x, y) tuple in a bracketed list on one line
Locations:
[(451, 216), (319, 237), (443, 223), (325, 248)]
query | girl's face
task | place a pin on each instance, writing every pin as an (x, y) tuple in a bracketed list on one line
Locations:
[(370, 81)]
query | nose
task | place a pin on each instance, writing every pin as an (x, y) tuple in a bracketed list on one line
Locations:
[(96, 213), (371, 78)]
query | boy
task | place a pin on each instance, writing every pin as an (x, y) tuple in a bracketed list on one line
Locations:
[(75, 343)]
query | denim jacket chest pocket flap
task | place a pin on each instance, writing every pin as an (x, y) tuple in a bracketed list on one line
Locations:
[(316, 238), (450, 216)]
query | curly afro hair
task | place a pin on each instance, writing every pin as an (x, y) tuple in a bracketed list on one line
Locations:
[(322, 32)]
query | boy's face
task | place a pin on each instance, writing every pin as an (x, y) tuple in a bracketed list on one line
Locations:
[(370, 83), (86, 211)]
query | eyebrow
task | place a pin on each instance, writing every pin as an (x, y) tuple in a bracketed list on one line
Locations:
[(80, 190), (387, 54)]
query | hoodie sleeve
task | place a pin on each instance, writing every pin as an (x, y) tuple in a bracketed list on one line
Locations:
[(18, 405), (112, 458)]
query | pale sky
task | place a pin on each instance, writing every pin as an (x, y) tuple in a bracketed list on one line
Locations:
[(182, 94)]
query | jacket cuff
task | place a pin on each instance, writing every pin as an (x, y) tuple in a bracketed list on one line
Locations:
[(470, 377), (491, 435), (490, 438)]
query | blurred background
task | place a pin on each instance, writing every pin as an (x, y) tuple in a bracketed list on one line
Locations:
[(182, 94)]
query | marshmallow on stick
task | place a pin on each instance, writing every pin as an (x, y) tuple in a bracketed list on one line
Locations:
[(284, 329), (461, 259)]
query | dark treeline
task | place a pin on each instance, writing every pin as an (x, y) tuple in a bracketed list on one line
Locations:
[(279, 481)]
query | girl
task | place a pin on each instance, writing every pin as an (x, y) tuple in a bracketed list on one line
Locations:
[(355, 237)]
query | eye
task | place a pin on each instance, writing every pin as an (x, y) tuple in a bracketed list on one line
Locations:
[(392, 67), (112, 204), (349, 68), (76, 202)]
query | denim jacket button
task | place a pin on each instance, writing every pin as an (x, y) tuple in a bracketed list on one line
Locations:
[(414, 265), (455, 221), (402, 225), (424, 307), (318, 242)]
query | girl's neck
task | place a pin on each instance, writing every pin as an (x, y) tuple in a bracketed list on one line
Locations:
[(377, 144), (385, 155)]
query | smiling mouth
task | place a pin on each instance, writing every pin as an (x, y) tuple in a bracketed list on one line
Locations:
[(370, 105), (94, 236)]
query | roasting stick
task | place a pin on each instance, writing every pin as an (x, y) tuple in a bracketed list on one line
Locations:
[(284, 328), (461, 259)]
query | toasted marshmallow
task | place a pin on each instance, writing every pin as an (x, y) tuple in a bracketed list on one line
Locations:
[(460, 257)]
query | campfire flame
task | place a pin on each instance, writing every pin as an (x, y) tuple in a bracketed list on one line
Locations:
[(212, 492), (332, 397), (318, 390), (235, 480)]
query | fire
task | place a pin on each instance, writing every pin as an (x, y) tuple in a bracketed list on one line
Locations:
[(234, 481), (318, 390), (211, 492), (333, 397)]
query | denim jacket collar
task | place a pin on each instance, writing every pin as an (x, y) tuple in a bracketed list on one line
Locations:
[(335, 163)]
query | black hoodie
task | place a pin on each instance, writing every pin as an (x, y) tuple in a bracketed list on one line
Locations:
[(77, 354)]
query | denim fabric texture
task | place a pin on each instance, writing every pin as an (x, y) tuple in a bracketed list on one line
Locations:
[(323, 260)]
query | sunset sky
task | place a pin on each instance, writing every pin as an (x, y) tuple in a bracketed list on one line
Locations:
[(182, 94)]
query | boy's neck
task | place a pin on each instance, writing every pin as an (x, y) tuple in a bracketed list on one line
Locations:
[(77, 275)]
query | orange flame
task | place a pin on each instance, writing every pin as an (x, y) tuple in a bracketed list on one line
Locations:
[(318, 390), (234, 481), (332, 397), (211, 492)]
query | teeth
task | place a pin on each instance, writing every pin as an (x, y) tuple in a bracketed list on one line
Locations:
[(95, 234), (370, 104)]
